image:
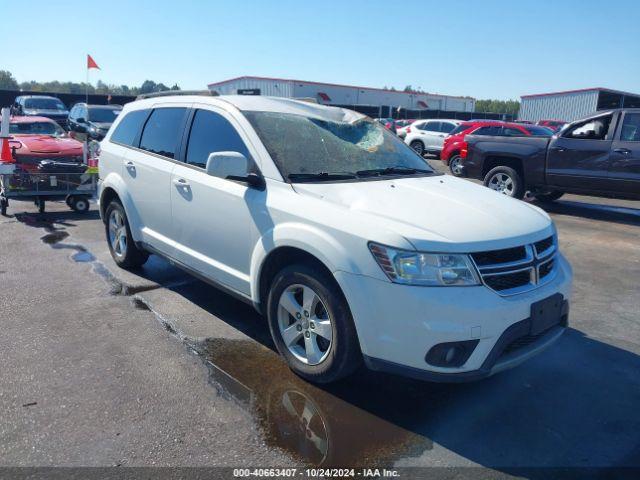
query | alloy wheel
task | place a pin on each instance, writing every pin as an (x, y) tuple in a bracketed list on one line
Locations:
[(117, 234), (502, 183), (418, 147), (455, 164), (305, 324)]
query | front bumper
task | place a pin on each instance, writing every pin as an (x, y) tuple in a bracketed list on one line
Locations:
[(398, 324)]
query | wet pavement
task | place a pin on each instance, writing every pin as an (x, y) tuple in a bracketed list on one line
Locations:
[(573, 406)]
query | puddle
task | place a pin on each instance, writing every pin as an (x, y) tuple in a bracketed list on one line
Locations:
[(319, 426), (54, 237)]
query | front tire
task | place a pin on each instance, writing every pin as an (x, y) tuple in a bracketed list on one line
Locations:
[(121, 244), (505, 180), (311, 324)]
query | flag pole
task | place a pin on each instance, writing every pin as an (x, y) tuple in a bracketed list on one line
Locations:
[(87, 87)]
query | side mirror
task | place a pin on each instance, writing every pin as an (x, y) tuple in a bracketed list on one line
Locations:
[(233, 166)]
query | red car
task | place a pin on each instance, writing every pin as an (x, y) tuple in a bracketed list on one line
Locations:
[(39, 138), (554, 125), (454, 149)]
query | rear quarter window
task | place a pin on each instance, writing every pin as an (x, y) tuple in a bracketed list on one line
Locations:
[(129, 127)]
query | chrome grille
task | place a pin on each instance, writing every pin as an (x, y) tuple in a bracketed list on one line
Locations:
[(519, 269)]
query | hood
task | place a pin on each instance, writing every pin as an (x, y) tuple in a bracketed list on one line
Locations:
[(439, 212), (48, 144)]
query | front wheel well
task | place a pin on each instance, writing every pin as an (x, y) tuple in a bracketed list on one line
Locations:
[(278, 259), (499, 161), (108, 195)]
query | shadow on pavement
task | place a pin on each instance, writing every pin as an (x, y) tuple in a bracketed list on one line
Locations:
[(593, 211)]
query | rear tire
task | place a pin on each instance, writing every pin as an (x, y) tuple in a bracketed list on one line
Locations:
[(121, 244), (505, 180), (418, 147), (328, 360), (455, 165), (548, 197)]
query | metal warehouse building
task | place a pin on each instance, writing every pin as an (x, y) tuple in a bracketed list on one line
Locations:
[(334, 94), (573, 104)]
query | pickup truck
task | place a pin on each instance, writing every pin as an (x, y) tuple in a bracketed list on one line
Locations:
[(598, 156)]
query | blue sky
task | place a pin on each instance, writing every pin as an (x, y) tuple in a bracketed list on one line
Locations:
[(486, 49)]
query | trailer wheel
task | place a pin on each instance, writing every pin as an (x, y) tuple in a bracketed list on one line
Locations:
[(79, 203)]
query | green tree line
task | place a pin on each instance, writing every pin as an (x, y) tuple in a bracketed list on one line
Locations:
[(498, 106), (8, 82)]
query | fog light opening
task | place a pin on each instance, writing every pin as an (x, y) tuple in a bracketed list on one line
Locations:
[(451, 354)]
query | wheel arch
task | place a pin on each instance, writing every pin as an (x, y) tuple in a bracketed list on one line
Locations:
[(113, 187), (493, 161), (289, 244)]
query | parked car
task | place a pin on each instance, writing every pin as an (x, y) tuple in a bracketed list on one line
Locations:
[(554, 125), (598, 156), (39, 138), (92, 120), (329, 231), (388, 123), (427, 136), (41, 106), (402, 126), (454, 147)]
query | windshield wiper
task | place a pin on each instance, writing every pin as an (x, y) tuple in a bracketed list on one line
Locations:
[(320, 176), (391, 171)]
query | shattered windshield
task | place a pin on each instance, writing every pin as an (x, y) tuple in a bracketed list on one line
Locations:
[(306, 146)]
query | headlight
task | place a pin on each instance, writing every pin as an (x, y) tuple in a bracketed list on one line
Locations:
[(430, 269)]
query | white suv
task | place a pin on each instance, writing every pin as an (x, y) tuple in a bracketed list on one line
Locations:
[(347, 241), (427, 136)]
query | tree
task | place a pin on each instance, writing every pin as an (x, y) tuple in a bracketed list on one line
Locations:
[(498, 106), (7, 82), (148, 86), (408, 88)]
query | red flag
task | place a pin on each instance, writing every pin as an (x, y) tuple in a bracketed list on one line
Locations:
[(91, 63)]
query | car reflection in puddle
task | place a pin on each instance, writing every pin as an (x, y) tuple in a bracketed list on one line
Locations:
[(309, 422)]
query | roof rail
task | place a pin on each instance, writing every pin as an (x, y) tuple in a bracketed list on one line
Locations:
[(170, 93)]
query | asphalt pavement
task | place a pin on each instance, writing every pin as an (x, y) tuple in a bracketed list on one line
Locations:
[(106, 367)]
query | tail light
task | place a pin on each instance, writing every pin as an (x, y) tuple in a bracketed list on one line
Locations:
[(408, 129)]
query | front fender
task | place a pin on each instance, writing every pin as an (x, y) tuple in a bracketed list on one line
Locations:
[(115, 182), (314, 241)]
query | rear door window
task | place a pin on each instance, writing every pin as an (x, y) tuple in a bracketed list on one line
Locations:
[(489, 131), (431, 127), (128, 129), (163, 130), (211, 132), (631, 128), (513, 132), (446, 127)]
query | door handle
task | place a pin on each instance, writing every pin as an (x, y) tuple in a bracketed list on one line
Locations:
[(559, 149), (180, 182), (623, 151), (130, 165)]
